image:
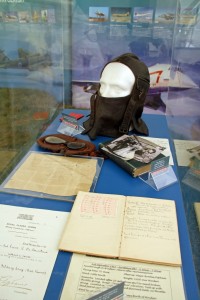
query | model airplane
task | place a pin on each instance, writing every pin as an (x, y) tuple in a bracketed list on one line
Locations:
[(161, 77), (167, 17), (28, 60), (99, 14), (136, 14), (121, 15), (10, 17)]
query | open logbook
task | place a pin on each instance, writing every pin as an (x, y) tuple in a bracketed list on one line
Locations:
[(129, 228)]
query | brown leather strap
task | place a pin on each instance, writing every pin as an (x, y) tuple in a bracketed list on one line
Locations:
[(134, 108), (124, 127), (90, 122)]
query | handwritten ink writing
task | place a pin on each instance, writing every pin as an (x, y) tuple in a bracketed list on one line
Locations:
[(150, 220), (97, 205), (28, 250), (10, 281)]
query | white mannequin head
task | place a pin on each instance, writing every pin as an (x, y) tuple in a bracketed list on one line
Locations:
[(116, 80)]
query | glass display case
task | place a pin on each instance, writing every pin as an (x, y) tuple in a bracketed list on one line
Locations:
[(31, 73), (165, 36), (183, 115), (51, 56)]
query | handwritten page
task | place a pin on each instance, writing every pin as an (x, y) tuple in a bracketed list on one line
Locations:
[(95, 224), (54, 174), (182, 153), (150, 231), (87, 275), (28, 250), (131, 228)]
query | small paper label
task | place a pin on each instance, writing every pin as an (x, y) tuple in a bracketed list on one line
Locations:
[(160, 165), (70, 121)]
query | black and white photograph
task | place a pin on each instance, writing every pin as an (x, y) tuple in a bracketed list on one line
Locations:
[(133, 147)]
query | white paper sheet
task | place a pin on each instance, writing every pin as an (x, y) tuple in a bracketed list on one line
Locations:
[(182, 153), (53, 174), (28, 250), (88, 275)]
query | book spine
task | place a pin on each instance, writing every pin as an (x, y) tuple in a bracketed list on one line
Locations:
[(122, 163)]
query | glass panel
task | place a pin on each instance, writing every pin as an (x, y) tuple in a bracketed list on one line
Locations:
[(31, 74), (51, 56), (102, 30), (183, 113)]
